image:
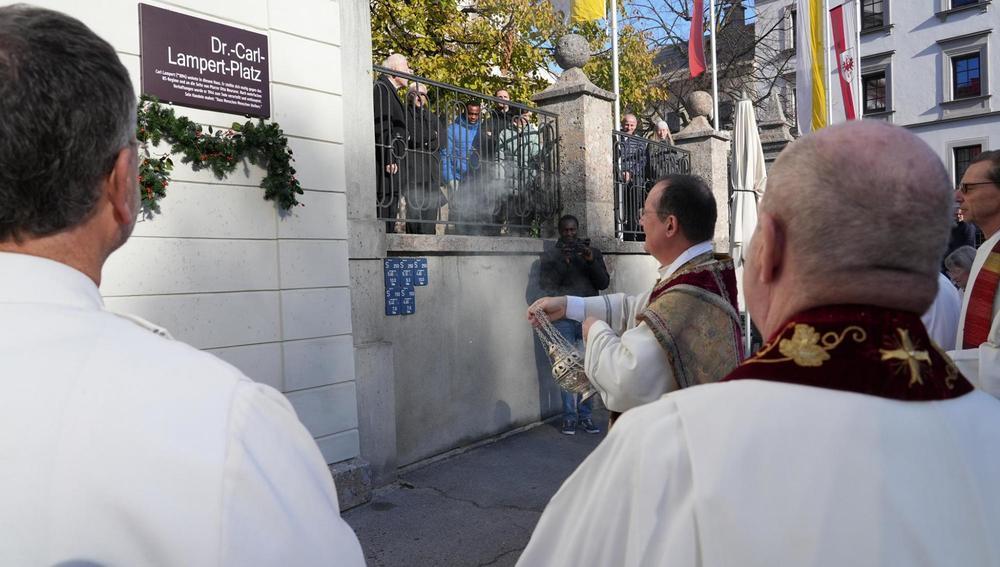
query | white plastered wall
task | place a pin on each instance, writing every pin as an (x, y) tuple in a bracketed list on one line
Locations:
[(223, 269)]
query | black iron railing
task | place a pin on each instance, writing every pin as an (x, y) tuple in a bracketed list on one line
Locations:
[(638, 163), (454, 158)]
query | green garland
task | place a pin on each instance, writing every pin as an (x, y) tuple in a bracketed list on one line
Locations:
[(220, 151)]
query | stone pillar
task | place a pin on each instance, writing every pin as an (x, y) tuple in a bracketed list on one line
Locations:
[(585, 149), (775, 133), (709, 159), (366, 250)]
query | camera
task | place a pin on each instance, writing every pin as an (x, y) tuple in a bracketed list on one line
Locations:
[(577, 247)]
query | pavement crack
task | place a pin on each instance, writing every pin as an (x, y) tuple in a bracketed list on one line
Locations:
[(444, 494), (499, 557)]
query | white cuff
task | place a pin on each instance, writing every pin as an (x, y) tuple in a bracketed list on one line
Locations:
[(575, 308)]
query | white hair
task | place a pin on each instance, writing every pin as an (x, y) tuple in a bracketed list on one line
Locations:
[(961, 258), (662, 124), (396, 62)]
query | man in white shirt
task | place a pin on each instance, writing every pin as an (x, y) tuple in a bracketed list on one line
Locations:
[(119, 446), (977, 342), (683, 332), (941, 318), (849, 438)]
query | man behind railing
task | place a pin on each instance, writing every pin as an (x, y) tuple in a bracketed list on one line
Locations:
[(631, 175), (633, 152), (658, 163), (423, 163), (390, 139), (470, 174), (518, 148)]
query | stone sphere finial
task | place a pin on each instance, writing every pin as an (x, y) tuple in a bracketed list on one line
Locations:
[(699, 103), (572, 51)]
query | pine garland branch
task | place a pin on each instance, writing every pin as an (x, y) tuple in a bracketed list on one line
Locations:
[(262, 144)]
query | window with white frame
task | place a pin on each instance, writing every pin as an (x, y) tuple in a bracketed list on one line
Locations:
[(965, 74), (873, 88), (963, 156), (876, 85), (790, 24), (949, 7), (872, 14)]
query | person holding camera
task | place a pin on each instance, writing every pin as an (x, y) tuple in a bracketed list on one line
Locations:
[(573, 267)]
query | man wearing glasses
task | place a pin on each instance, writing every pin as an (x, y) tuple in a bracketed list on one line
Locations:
[(977, 345), (683, 332)]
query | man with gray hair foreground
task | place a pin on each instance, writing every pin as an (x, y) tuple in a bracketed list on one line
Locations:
[(119, 446), (849, 438)]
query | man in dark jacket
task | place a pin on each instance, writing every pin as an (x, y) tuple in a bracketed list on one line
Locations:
[(390, 139), (573, 267), (630, 163), (422, 165)]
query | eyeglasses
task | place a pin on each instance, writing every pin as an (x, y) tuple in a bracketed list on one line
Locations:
[(644, 211), (963, 188)]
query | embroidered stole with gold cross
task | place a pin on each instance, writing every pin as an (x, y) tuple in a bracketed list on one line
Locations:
[(857, 348), (979, 313)]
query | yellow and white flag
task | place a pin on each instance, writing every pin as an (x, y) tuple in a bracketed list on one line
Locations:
[(811, 75), (576, 11)]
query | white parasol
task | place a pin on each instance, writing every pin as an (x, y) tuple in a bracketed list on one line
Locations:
[(748, 177)]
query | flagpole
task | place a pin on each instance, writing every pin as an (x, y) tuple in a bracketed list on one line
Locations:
[(614, 63), (715, 76), (859, 113), (826, 58)]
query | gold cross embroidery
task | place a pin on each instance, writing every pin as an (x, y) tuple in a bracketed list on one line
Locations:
[(906, 353)]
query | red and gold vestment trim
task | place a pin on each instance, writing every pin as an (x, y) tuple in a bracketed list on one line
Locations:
[(857, 348), (695, 317), (979, 313)]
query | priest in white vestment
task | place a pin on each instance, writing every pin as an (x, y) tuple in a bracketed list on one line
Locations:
[(849, 438), (683, 332), (941, 318), (118, 445), (977, 343)]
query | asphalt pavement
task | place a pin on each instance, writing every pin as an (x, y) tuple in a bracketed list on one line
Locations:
[(474, 508)]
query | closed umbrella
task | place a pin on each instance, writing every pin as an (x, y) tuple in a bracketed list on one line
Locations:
[(748, 177)]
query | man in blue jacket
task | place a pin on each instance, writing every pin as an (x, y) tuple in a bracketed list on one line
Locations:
[(460, 163)]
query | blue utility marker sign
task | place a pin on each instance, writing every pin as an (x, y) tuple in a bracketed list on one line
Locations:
[(400, 301), (401, 275)]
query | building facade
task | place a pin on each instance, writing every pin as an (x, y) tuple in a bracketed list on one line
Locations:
[(925, 66)]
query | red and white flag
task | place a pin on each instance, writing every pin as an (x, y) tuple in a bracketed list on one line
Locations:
[(846, 62), (696, 39)]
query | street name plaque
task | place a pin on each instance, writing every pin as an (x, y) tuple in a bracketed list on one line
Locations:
[(202, 64)]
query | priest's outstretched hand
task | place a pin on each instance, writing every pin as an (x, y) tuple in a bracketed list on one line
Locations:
[(553, 307)]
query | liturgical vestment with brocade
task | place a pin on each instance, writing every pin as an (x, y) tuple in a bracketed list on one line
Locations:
[(849, 439), (684, 332)]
